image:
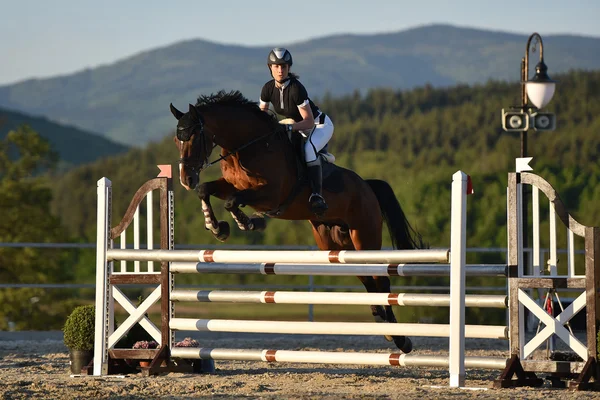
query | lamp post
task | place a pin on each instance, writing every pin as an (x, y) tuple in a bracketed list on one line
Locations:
[(538, 91)]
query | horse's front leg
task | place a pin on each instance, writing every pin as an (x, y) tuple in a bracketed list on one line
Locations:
[(220, 189), (239, 199)]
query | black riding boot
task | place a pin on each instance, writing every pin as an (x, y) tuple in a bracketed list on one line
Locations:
[(316, 200)]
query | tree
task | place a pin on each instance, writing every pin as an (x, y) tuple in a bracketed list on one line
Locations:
[(25, 197)]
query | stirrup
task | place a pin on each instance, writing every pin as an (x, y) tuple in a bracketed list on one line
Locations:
[(317, 203)]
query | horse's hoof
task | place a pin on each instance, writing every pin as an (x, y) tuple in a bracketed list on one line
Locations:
[(223, 232), (259, 223), (403, 343)]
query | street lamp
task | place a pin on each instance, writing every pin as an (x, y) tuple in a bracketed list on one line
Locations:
[(537, 90)]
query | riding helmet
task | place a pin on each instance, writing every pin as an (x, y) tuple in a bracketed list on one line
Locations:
[(279, 56)]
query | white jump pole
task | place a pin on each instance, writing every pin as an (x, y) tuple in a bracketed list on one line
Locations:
[(458, 253), (187, 267), (333, 328), (339, 298), (330, 357), (284, 256), (104, 192)]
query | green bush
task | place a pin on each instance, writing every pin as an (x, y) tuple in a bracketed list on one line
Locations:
[(79, 328)]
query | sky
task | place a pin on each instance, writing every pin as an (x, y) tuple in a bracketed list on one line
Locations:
[(40, 39)]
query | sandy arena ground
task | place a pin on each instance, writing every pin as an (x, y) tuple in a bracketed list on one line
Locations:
[(36, 365)]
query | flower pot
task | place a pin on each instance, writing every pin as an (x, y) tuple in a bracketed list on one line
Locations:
[(79, 359), (145, 363)]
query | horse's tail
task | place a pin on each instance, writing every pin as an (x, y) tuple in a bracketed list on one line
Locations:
[(402, 233)]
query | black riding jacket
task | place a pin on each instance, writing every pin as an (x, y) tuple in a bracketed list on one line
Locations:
[(287, 99)]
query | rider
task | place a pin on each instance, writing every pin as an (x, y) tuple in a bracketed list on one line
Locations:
[(290, 99)]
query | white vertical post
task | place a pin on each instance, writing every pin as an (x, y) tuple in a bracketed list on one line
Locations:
[(102, 272), (571, 253), (458, 239), (553, 261), (171, 239), (123, 245), (535, 197), (520, 262), (149, 228), (136, 236)]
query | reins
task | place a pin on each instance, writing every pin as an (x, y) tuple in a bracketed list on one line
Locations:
[(258, 139), (206, 164)]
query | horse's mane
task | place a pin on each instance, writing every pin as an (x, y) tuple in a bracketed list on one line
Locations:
[(236, 99)]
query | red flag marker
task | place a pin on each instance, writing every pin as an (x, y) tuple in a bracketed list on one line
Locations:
[(165, 171), (469, 185)]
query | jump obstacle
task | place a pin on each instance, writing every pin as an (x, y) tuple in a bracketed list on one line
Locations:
[(347, 263)]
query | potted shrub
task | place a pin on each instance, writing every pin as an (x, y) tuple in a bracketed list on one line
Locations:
[(79, 337)]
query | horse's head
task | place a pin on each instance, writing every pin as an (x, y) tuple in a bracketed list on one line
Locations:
[(192, 144)]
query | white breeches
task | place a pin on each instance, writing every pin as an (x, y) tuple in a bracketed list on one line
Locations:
[(317, 139)]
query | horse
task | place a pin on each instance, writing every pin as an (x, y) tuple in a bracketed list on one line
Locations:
[(261, 168)]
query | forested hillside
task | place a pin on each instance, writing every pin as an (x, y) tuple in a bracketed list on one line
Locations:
[(413, 139), (73, 145)]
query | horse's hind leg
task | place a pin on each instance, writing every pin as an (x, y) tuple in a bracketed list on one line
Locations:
[(338, 237), (245, 223), (379, 284), (383, 285)]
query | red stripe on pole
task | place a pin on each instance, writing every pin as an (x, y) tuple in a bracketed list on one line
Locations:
[(269, 297), (270, 355), (393, 299), (395, 359), (209, 256), (334, 256)]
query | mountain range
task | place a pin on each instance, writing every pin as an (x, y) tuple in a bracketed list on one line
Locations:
[(128, 101), (73, 145)]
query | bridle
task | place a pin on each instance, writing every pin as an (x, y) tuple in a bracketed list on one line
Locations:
[(196, 164), (199, 164)]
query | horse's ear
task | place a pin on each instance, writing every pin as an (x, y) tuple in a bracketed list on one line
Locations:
[(194, 112), (176, 113)]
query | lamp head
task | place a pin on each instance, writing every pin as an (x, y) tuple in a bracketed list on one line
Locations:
[(540, 88)]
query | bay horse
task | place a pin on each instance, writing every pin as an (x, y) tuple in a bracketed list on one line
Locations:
[(262, 168)]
